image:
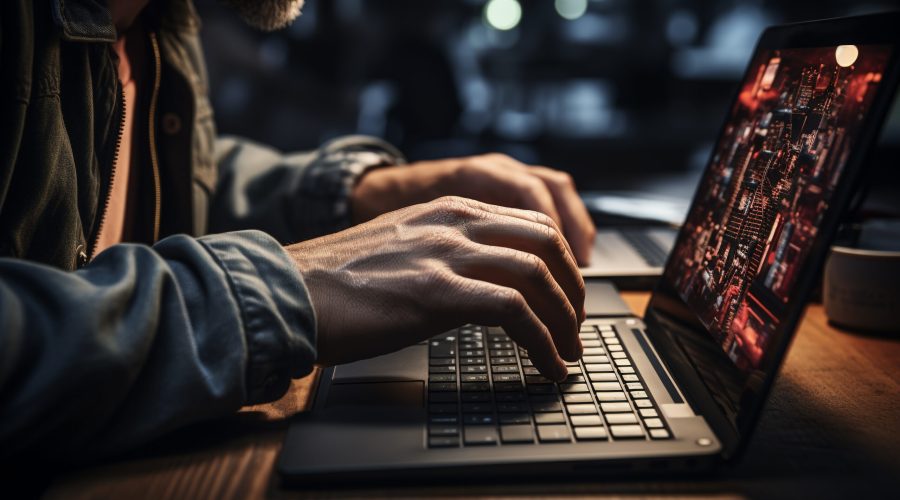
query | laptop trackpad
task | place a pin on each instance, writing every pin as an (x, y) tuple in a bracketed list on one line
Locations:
[(392, 394)]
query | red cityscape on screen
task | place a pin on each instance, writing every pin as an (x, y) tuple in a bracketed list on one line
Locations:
[(771, 178)]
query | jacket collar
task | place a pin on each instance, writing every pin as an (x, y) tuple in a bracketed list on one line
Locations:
[(90, 20), (84, 20)]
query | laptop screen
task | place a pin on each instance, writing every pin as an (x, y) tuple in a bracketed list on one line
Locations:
[(761, 203)]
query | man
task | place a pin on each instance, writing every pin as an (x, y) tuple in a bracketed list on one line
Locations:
[(120, 320)]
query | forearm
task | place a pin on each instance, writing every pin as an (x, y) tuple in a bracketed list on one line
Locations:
[(145, 340), (296, 196)]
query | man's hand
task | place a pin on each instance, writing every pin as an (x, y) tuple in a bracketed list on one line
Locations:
[(491, 178), (422, 270)]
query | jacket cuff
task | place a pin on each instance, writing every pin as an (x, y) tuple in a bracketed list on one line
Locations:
[(332, 176), (278, 319)]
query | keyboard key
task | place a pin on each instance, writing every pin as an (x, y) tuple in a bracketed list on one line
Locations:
[(578, 397), (607, 386), (550, 418), (611, 396), (442, 387), (508, 387), (478, 419), (503, 353), (473, 377), (643, 403), (607, 334), (613, 346), (480, 435), (621, 418), (648, 412), (589, 335), (472, 353), (553, 433), (630, 378), (587, 329), (615, 407), (598, 367), (440, 419), (527, 362), (659, 434), (590, 433), (626, 431), (475, 387), (443, 430), (442, 377), (537, 379), (540, 407), (618, 355), (505, 369), (592, 351), (473, 369), (575, 379), (471, 361), (442, 369), (477, 407), (639, 394), (653, 423), (542, 389), (603, 377), (508, 396), (516, 434), (622, 362), (634, 386), (443, 397), (591, 342), (581, 409), (510, 360), (626, 369), (515, 418), (443, 442), (441, 361), (595, 359), (569, 388), (512, 407), (507, 377), (583, 420), (475, 397), (501, 345), (442, 408), (572, 368)]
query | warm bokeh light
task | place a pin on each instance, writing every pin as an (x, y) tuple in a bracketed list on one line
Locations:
[(846, 55), (503, 14), (571, 9)]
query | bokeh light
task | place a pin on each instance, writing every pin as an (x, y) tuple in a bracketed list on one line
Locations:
[(503, 14)]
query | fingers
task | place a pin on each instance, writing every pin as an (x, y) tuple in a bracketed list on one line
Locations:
[(577, 224), (538, 239), (484, 303), (529, 275)]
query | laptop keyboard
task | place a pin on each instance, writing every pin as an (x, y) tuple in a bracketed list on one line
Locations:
[(646, 247), (484, 390)]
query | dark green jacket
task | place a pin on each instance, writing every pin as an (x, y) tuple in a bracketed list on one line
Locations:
[(102, 352)]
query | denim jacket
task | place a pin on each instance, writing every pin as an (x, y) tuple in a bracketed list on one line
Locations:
[(99, 353)]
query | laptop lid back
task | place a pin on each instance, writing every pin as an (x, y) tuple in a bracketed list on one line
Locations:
[(785, 166)]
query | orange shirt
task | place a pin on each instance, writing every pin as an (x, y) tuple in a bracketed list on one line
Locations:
[(113, 229)]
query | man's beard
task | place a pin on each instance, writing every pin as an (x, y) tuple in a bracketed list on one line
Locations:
[(267, 15)]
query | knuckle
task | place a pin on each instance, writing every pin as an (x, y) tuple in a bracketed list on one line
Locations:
[(536, 268), (564, 179), (511, 303)]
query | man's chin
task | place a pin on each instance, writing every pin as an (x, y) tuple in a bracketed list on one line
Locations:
[(267, 15)]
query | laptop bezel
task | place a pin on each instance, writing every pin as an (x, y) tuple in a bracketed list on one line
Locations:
[(668, 316)]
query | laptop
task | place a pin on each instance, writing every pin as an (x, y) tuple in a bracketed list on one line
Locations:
[(630, 257), (681, 388)]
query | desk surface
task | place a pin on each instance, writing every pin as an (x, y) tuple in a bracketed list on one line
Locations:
[(831, 429)]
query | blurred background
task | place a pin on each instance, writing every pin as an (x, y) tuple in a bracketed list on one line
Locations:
[(627, 95)]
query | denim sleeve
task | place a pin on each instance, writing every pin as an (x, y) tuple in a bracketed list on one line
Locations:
[(144, 340), (295, 196)]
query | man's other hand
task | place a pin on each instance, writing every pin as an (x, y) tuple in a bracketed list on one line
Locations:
[(491, 178), (422, 270)]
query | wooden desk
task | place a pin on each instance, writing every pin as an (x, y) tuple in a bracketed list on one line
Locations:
[(831, 429)]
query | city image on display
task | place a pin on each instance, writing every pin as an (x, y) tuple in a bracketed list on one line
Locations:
[(772, 176)]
